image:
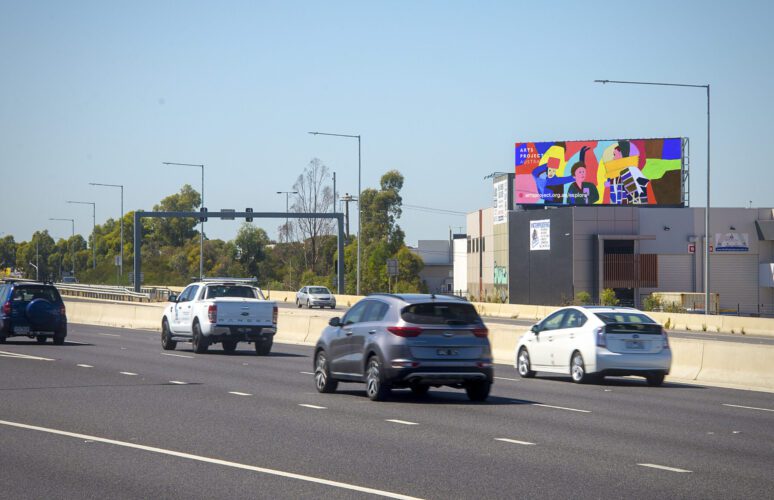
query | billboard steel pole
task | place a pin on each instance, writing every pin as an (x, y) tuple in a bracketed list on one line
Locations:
[(707, 210)]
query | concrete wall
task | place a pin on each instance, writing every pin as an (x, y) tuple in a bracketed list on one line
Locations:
[(461, 265), (540, 276)]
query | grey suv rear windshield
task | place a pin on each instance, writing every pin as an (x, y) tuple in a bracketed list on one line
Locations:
[(440, 313), (29, 293)]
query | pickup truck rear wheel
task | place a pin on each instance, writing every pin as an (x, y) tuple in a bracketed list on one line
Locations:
[(263, 346), (41, 339), (199, 342), (229, 346), (166, 337)]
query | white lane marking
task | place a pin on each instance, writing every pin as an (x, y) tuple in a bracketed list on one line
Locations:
[(664, 467), (128, 373), (22, 356), (514, 441), (225, 463), (506, 378), (403, 422), (239, 393), (561, 408), (85, 366), (307, 373), (177, 382), (109, 334), (315, 407), (176, 355), (747, 407), (74, 342)]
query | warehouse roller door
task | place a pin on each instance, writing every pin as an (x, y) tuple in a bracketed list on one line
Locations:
[(735, 278), (675, 273)]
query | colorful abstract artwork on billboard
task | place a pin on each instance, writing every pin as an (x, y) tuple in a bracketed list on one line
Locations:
[(623, 172)]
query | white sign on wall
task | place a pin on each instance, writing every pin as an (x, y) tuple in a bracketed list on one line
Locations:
[(500, 201), (732, 242), (540, 234)]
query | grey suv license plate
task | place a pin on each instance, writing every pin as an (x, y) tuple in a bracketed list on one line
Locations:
[(448, 352)]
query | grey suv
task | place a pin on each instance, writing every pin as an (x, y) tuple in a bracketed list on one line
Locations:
[(412, 341)]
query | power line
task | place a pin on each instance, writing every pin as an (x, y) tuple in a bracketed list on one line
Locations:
[(433, 210)]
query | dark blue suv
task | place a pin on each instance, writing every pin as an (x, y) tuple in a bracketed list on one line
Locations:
[(32, 309)]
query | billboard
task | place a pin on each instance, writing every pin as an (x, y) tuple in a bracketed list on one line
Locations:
[(638, 172)]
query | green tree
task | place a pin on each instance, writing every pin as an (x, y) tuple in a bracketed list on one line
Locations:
[(37, 251), (608, 298), (178, 230), (7, 252), (251, 244)]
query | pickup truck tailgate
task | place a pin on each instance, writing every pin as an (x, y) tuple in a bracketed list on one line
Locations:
[(243, 312)]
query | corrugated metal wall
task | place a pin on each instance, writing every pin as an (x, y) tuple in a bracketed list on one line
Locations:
[(675, 273), (735, 278)]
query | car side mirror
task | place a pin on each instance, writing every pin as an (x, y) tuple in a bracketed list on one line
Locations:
[(172, 297), (335, 321), (535, 329)]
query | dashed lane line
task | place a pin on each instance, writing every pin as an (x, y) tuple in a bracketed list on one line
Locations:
[(560, 408), (178, 382), (84, 366), (506, 378), (215, 461), (314, 407), (235, 393), (109, 334), (664, 467), (131, 374), (747, 407), (402, 422), (17, 355), (176, 355), (514, 441), (306, 373)]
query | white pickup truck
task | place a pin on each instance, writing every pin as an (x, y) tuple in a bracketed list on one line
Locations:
[(222, 310)]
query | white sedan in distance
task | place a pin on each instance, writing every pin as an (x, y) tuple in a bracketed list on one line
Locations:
[(591, 342), (315, 296)]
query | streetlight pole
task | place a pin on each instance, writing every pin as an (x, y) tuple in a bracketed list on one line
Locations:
[(121, 263), (359, 196), (72, 238), (707, 210), (93, 230), (201, 220), (287, 209)]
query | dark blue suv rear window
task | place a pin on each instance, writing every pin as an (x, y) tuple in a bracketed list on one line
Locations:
[(440, 313), (29, 293)]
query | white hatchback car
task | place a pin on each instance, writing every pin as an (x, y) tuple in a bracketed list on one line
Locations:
[(591, 342)]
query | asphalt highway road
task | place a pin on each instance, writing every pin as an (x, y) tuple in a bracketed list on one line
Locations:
[(111, 415)]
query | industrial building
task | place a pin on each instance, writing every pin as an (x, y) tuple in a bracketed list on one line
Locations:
[(547, 256)]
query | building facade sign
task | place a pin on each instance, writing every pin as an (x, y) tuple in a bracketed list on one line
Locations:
[(732, 242), (501, 201), (540, 234)]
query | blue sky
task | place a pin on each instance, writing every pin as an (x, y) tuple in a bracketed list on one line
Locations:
[(439, 90)]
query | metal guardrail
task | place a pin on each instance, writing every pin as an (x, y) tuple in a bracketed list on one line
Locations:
[(147, 294)]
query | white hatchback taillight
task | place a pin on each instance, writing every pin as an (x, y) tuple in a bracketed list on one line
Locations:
[(601, 338), (666, 339), (212, 313)]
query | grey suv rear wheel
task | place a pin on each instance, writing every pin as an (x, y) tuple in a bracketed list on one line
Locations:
[(322, 374), (478, 391), (376, 388)]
